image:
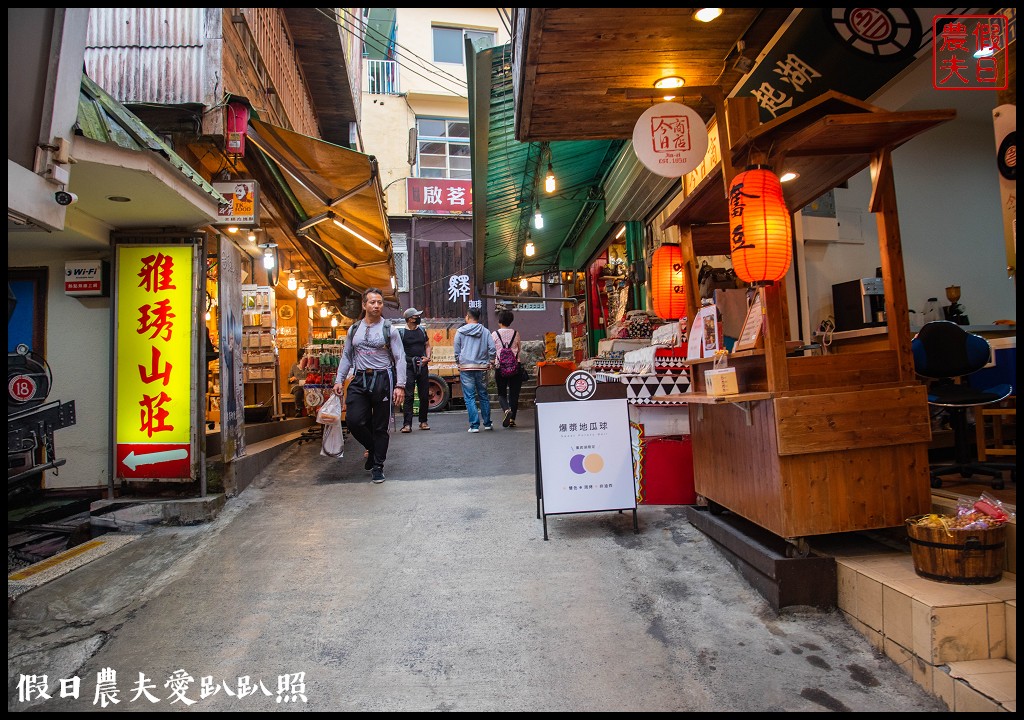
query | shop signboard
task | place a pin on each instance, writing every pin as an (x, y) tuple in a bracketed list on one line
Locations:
[(439, 196), (154, 369), (855, 51), (243, 207), (670, 139), (232, 387), (86, 278), (585, 460)]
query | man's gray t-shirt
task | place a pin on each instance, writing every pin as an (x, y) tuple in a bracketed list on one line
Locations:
[(365, 350)]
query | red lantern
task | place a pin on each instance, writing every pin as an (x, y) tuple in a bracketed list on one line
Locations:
[(668, 289), (760, 227)]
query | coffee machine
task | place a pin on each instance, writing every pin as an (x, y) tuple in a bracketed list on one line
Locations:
[(859, 304)]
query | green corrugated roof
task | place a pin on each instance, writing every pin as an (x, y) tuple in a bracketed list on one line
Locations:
[(508, 178), (104, 119)]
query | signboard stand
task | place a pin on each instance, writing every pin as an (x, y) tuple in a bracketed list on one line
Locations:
[(584, 456)]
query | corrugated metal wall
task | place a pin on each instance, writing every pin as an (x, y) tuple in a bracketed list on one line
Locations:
[(147, 54), (631, 191)]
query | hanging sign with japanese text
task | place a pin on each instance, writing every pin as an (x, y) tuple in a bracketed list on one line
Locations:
[(154, 368), (440, 196), (670, 139)]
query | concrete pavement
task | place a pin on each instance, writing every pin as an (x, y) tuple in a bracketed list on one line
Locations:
[(433, 591)]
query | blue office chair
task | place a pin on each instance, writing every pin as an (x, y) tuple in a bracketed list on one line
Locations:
[(945, 354)]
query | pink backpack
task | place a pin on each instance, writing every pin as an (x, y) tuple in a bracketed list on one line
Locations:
[(508, 363)]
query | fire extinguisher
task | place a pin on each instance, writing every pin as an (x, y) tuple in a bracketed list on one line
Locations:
[(237, 123)]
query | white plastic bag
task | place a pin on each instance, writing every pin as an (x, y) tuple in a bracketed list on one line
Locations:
[(333, 444), (330, 411)]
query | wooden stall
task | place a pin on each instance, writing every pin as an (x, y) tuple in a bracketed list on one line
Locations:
[(819, 444)]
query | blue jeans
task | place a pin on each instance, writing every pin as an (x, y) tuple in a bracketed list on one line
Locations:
[(474, 388)]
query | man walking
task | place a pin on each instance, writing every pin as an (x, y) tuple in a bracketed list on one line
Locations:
[(474, 354), (373, 351), (417, 357)]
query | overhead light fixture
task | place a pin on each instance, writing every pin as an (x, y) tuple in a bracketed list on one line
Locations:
[(232, 229), (252, 237), (530, 250), (323, 311), (350, 231), (985, 51), (334, 321), (621, 232), (669, 83), (786, 177), (706, 15), (268, 255), (293, 284), (538, 219), (301, 292), (310, 300), (524, 284), (549, 179)]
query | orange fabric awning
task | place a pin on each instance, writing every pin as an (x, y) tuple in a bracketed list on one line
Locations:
[(340, 194)]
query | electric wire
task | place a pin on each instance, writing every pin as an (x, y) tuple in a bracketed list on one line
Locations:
[(352, 26)]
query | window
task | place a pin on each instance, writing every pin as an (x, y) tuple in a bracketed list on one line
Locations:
[(443, 149), (449, 43), (400, 246)]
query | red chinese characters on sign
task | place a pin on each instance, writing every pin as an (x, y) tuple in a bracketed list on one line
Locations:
[(440, 196), (157, 275), (964, 52)]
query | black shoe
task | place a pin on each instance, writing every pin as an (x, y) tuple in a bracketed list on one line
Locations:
[(511, 423), (369, 462), (378, 474), (507, 419)]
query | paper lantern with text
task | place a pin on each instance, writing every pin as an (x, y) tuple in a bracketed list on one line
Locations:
[(760, 227), (668, 289)]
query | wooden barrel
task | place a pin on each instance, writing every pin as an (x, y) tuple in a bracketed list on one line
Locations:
[(965, 557)]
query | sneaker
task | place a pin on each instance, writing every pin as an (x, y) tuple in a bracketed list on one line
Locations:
[(378, 474), (474, 430), (488, 427), (369, 462), (507, 419)]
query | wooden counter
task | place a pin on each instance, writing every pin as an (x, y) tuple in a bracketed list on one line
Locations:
[(817, 444)]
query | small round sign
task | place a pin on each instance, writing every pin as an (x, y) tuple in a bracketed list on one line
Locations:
[(670, 139), (580, 385), (21, 388)]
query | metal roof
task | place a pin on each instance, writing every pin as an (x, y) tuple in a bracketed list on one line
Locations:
[(508, 178)]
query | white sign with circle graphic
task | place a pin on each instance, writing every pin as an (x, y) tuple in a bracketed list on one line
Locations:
[(670, 139), (585, 456), (580, 385)]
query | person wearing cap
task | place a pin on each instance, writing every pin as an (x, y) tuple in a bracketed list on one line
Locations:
[(417, 357)]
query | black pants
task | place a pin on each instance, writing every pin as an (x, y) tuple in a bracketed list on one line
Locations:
[(418, 381), (508, 392), (369, 411)]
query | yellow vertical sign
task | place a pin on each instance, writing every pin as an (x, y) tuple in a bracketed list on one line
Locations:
[(154, 344)]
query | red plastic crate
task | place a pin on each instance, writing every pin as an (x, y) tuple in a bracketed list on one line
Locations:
[(666, 472)]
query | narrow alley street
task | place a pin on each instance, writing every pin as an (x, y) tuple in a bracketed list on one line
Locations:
[(434, 591)]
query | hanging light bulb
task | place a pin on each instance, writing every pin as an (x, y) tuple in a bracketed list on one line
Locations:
[(252, 237), (538, 219), (524, 284), (301, 292), (334, 321), (310, 300), (323, 311), (549, 180), (530, 250)]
